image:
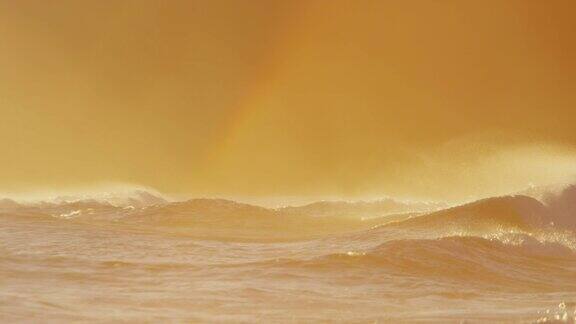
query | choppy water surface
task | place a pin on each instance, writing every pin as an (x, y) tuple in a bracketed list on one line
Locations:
[(506, 259)]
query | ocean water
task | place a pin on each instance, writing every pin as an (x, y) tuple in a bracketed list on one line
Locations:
[(504, 259)]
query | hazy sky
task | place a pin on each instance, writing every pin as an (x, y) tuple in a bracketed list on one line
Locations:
[(436, 99)]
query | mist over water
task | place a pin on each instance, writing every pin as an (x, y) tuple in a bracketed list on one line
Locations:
[(303, 161), (136, 256)]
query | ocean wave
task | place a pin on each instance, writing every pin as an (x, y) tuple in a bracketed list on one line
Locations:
[(433, 265), (520, 262), (518, 213), (220, 217), (120, 195)]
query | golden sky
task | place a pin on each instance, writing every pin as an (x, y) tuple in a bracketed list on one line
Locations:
[(441, 99)]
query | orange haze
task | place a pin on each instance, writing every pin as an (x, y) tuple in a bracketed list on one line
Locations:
[(428, 99)]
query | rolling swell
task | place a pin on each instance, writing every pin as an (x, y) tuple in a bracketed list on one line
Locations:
[(520, 262), (497, 259), (206, 218)]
